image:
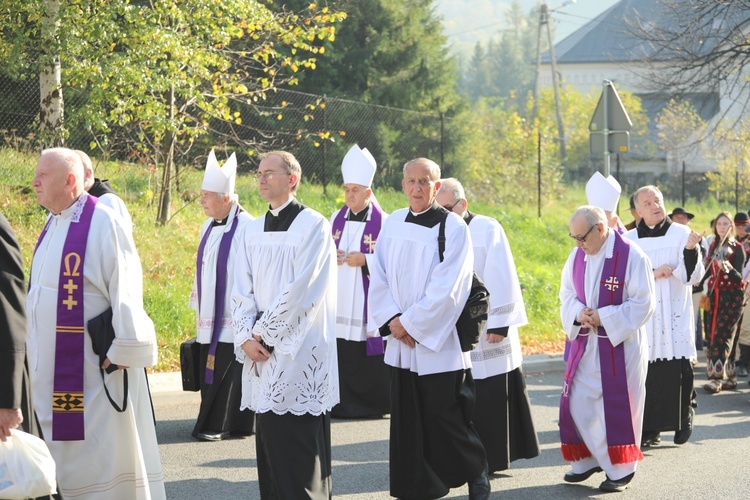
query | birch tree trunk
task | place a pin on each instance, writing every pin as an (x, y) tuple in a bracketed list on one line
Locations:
[(50, 85)]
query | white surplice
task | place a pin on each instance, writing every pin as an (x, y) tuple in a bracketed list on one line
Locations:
[(624, 324), (119, 457), (493, 263), (118, 206), (350, 321), (205, 317), (290, 276), (671, 330), (407, 278)]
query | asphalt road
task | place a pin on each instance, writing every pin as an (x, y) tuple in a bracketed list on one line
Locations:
[(713, 464)]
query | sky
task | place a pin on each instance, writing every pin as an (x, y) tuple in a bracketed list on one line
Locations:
[(469, 21)]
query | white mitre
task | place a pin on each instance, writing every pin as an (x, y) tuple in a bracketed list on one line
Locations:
[(358, 167), (603, 192), (220, 179)]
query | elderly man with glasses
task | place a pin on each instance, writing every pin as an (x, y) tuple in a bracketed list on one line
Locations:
[(607, 296), (502, 415)]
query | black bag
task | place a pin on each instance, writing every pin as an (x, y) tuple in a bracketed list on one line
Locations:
[(472, 322), (102, 335), (190, 351)]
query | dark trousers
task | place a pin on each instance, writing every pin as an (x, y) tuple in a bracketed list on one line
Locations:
[(669, 395), (294, 456), (434, 446)]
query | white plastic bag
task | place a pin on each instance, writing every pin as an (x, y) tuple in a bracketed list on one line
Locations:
[(27, 469)]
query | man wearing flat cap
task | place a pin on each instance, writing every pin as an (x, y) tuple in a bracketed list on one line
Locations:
[(364, 379), (680, 216)]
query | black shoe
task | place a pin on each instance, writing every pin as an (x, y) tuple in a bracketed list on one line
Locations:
[(212, 436), (618, 485), (572, 477), (682, 436), (479, 489), (650, 439)]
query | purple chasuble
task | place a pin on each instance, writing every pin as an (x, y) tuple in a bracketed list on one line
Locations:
[(219, 292), (621, 444), (68, 422)]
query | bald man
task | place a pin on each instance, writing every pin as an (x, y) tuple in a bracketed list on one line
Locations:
[(85, 264)]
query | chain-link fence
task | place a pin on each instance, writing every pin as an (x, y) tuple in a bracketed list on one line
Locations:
[(318, 130)]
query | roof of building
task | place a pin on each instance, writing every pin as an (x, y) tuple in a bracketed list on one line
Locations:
[(612, 37)]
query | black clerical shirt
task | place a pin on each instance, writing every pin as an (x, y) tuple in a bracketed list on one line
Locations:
[(429, 218), (283, 221), (100, 188)]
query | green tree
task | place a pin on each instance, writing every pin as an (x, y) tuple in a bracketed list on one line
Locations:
[(678, 126), (505, 68), (731, 155), (166, 70), (387, 52)]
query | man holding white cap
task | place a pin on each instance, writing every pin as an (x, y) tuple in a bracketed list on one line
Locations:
[(220, 373), (363, 376), (604, 192)]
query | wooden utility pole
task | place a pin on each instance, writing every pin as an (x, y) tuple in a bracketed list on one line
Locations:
[(544, 20)]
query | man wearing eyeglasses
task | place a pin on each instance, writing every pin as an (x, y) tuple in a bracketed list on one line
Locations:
[(502, 415), (675, 256), (284, 313), (606, 296), (417, 298)]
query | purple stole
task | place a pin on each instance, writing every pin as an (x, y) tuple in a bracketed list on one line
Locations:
[(619, 230), (369, 237), (219, 291), (68, 422), (621, 444)]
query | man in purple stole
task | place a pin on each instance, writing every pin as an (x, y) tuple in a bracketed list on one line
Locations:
[(363, 376), (84, 264), (606, 295), (220, 372)]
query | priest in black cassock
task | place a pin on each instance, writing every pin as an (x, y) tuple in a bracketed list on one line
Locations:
[(502, 415), (15, 407), (417, 298), (284, 314), (364, 379), (675, 256)]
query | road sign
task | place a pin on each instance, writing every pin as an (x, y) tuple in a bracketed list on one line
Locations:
[(616, 117), (618, 142)]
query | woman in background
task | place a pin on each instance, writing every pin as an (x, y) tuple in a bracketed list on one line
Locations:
[(725, 288)]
